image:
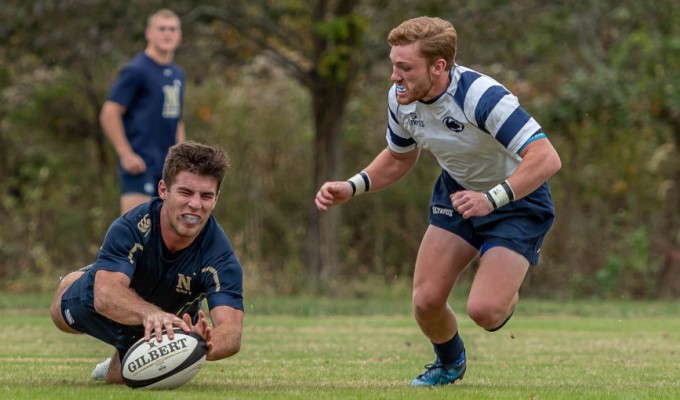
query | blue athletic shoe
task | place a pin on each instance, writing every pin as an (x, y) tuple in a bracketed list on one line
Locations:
[(438, 374)]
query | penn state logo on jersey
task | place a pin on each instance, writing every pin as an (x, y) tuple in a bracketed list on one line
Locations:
[(453, 124), (413, 120)]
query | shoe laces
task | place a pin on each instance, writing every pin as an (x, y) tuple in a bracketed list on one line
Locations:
[(429, 368)]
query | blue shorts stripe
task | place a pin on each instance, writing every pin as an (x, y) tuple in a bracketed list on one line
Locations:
[(519, 226)]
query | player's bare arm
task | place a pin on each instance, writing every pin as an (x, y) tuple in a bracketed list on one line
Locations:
[(114, 299), (539, 162), (181, 134), (387, 168), (111, 121), (226, 332)]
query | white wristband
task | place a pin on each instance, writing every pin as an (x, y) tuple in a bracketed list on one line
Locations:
[(361, 183), (500, 195)]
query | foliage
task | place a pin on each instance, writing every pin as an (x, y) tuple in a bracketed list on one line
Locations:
[(600, 76)]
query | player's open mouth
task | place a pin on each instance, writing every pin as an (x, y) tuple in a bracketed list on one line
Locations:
[(191, 219), (401, 89)]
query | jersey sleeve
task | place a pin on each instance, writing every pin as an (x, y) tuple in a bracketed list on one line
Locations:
[(121, 250), (493, 109), (398, 139), (125, 87), (224, 281)]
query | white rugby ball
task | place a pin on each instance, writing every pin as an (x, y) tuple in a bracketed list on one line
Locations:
[(164, 365)]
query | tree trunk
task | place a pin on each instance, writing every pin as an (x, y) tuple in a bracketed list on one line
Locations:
[(321, 244)]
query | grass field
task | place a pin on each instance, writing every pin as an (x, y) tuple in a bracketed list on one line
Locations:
[(370, 349)]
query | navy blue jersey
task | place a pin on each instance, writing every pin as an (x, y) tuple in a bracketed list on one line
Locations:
[(176, 282), (153, 96)]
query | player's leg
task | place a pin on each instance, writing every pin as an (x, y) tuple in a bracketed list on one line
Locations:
[(55, 308), (513, 236), (136, 189), (441, 258), (115, 373), (494, 291), (109, 370), (131, 200)]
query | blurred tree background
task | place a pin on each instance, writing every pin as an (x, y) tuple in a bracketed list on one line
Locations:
[(295, 91)]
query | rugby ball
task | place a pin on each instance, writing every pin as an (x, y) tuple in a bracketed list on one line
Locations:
[(167, 364)]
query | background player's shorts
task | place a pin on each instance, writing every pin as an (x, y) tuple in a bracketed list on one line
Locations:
[(519, 226), (142, 183)]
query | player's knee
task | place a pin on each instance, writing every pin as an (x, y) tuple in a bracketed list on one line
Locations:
[(55, 307), (486, 315), (425, 304)]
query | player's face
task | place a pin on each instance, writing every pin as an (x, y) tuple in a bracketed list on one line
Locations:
[(164, 34), (411, 74), (187, 207)]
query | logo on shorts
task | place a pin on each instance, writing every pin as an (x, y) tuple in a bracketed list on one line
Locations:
[(442, 211), (452, 124), (149, 188), (69, 317)]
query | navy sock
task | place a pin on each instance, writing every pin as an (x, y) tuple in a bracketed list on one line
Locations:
[(450, 351)]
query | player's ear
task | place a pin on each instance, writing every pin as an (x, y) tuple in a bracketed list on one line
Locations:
[(162, 189), (440, 65), (217, 196)]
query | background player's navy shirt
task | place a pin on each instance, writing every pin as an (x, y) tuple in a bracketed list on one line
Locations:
[(208, 268), (153, 96)]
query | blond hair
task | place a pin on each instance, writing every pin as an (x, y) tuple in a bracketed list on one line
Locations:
[(162, 13), (435, 38)]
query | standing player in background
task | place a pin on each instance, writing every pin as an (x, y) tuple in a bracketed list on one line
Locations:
[(491, 198), (157, 264), (142, 116)]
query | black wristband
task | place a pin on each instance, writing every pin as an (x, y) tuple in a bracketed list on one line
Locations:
[(491, 200), (367, 180), (508, 190)]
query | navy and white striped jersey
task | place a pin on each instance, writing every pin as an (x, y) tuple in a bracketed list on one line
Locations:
[(475, 130)]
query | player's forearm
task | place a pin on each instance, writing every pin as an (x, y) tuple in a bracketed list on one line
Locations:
[(226, 332), (388, 167), (227, 342), (539, 163), (181, 135), (119, 303), (112, 125)]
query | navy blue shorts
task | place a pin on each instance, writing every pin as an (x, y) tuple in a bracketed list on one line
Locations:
[(519, 226), (143, 183), (77, 309)]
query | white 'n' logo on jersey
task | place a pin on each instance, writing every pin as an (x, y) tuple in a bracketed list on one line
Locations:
[(171, 105)]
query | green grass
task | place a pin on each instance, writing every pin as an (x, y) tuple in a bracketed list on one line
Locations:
[(370, 349)]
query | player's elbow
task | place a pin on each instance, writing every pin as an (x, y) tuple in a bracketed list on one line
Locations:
[(229, 350), (554, 163), (110, 111)]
